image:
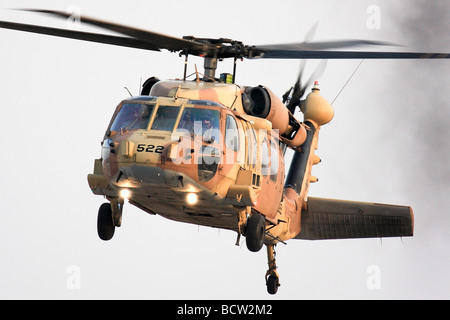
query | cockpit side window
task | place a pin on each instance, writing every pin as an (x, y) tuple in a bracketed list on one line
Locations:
[(231, 134), (132, 116), (252, 147), (165, 118)]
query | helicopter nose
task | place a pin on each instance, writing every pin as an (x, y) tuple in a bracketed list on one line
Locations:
[(127, 148)]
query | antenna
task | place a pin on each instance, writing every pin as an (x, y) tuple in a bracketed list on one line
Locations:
[(347, 81), (128, 91), (196, 74)]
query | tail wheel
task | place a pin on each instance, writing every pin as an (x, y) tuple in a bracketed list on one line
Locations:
[(105, 225), (255, 231), (272, 284)]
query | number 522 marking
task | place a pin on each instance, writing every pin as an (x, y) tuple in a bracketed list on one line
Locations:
[(149, 148)]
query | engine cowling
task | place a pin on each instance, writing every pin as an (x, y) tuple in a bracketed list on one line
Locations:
[(261, 102), (296, 134), (148, 84)]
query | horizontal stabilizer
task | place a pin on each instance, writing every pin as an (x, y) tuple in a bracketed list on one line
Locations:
[(338, 219)]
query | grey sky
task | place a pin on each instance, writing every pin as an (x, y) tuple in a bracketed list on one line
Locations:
[(388, 143)]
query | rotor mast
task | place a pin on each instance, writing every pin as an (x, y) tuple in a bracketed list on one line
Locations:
[(210, 66)]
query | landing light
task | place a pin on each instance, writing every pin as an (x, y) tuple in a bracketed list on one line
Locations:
[(125, 193), (191, 198)]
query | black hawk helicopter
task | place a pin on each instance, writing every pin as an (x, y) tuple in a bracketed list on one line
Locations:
[(210, 152)]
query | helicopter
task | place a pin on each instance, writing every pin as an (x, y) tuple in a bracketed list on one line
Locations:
[(211, 152)]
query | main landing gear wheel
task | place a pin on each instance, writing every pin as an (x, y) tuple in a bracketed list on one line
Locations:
[(105, 224), (255, 231)]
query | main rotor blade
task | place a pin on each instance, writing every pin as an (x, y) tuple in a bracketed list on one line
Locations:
[(158, 40), (323, 45), (79, 35), (317, 54)]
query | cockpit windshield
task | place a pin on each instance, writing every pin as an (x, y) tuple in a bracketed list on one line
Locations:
[(165, 118), (132, 116), (193, 120), (203, 122)]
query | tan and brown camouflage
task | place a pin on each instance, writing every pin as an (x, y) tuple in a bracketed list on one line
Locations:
[(233, 174)]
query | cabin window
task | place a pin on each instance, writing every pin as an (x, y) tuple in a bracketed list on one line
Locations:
[(231, 134), (165, 118), (254, 148), (132, 116), (265, 160), (273, 161)]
